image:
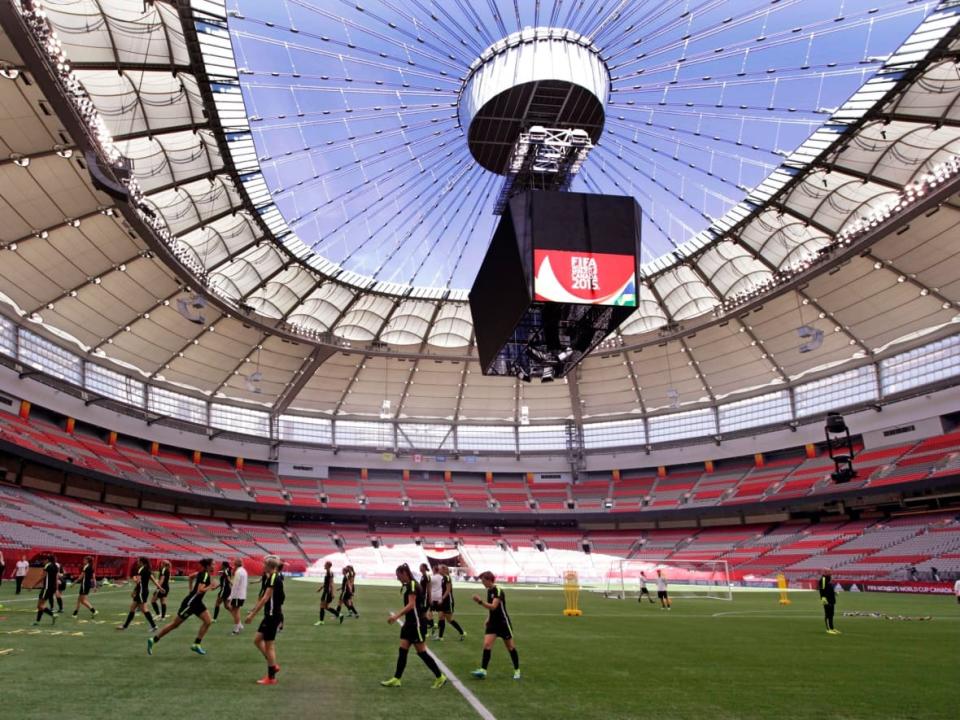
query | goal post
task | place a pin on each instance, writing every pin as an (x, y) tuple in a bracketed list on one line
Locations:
[(691, 579)]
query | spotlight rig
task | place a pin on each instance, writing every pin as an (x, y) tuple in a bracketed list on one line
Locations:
[(840, 448)]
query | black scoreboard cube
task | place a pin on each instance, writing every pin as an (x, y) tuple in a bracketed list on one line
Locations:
[(559, 276)]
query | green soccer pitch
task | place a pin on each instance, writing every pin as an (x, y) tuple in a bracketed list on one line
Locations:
[(749, 658)]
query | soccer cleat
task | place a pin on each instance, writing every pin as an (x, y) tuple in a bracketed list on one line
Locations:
[(120, 627), (149, 646), (439, 639), (516, 674), (392, 682), (479, 673), (342, 618), (198, 649), (34, 624), (53, 619), (267, 680), (833, 632), (462, 636), (439, 682), (318, 623)]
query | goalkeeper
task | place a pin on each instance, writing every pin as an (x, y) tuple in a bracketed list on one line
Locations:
[(828, 597)]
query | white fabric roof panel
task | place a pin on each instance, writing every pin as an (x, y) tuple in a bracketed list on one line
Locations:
[(871, 308), (105, 31)]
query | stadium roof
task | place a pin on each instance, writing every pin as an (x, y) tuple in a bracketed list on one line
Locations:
[(809, 244)]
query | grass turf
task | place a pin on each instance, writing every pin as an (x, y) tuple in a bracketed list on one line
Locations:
[(748, 658)]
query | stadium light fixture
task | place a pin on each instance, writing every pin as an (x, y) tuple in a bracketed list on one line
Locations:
[(191, 308), (812, 337)]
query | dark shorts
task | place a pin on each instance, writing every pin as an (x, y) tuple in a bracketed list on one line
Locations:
[(237, 603), (662, 594), (435, 605), (326, 597), (161, 592), (269, 627), (345, 598), (501, 630), (191, 607), (446, 605), (85, 588), (644, 591), (140, 594), (48, 595), (412, 633), (61, 587), (224, 594)]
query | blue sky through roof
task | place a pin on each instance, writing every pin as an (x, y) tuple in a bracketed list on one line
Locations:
[(353, 112)]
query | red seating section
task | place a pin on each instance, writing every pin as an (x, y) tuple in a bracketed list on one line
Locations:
[(734, 482)]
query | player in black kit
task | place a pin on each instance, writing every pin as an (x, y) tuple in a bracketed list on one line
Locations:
[(447, 604), (142, 577), (159, 600), (192, 604), (61, 586), (498, 625), (346, 594), (828, 597), (226, 581), (326, 593), (425, 587), (271, 602), (413, 631), (48, 590), (87, 583)]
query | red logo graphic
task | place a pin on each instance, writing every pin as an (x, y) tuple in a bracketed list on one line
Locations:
[(584, 278)]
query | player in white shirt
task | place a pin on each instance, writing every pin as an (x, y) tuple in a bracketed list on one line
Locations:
[(238, 594), (956, 590), (436, 595), (20, 573), (662, 596)]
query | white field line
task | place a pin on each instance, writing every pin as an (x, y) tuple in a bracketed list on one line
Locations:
[(463, 690)]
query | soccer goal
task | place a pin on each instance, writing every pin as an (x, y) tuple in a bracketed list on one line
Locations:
[(707, 579)]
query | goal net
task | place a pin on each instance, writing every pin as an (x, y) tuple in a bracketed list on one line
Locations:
[(709, 579)]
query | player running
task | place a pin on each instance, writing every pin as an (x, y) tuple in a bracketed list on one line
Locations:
[(498, 625), (413, 630), (662, 595), (326, 593), (142, 577), (87, 583), (271, 602), (238, 594), (48, 590), (447, 604), (226, 582), (192, 605), (159, 600), (643, 589), (346, 594)]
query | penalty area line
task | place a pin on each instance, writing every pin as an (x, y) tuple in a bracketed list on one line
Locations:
[(463, 689)]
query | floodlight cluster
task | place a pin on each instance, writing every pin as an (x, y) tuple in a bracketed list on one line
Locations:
[(908, 196)]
